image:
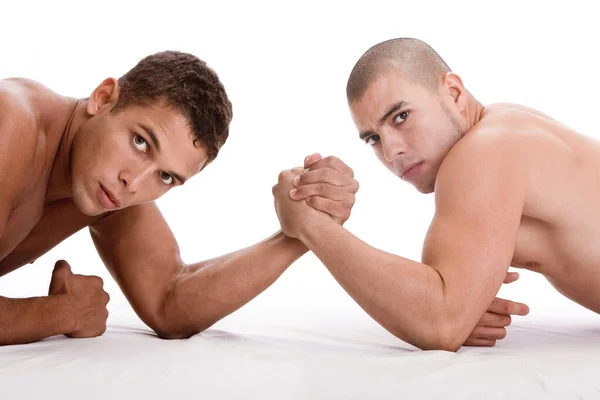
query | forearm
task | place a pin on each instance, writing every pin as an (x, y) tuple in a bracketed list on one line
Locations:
[(406, 297), (205, 292), (32, 319)]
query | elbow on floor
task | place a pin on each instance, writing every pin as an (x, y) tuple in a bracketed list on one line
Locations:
[(449, 338), (170, 333), (170, 330), (445, 344)]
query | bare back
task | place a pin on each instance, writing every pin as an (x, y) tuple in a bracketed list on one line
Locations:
[(35, 119), (560, 226)]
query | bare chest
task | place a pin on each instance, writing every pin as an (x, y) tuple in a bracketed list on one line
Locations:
[(22, 220), (34, 228), (568, 255)]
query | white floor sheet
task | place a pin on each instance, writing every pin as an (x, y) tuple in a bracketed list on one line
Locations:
[(304, 338)]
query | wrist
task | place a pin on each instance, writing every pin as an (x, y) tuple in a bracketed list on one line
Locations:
[(61, 308), (307, 232), (293, 243)]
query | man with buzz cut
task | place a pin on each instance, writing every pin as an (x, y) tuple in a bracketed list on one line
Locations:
[(513, 187)]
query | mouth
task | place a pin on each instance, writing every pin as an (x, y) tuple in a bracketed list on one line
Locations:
[(410, 171), (107, 198)]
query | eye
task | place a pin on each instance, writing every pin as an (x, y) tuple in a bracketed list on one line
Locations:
[(401, 117), (166, 178), (140, 143), (372, 140)]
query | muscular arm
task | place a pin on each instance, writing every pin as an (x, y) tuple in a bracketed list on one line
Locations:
[(435, 304), (178, 300)]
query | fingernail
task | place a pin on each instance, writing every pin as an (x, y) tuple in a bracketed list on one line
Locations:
[(296, 181), (293, 192)]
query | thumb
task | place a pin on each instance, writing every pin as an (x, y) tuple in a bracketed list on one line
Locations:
[(511, 277), (311, 159), (60, 276)]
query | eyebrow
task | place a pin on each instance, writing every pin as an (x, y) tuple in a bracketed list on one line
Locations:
[(395, 107), (156, 143), (150, 133)]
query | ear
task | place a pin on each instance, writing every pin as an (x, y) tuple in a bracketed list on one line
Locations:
[(454, 87), (104, 97)]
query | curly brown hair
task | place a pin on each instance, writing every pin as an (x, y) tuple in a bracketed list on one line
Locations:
[(188, 85)]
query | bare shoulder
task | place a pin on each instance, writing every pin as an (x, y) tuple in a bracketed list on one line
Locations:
[(19, 135), (498, 152), (515, 110), (17, 112), (508, 136)]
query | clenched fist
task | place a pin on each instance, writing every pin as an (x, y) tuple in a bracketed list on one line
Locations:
[(328, 185), (86, 300)]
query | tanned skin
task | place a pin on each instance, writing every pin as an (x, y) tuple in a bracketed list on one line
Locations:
[(66, 164), (513, 187)]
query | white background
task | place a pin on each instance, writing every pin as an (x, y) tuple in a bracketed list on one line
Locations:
[(285, 65)]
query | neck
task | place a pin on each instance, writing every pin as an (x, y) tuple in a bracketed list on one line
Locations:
[(474, 112), (59, 184)]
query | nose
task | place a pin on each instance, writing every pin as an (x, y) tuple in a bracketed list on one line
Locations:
[(133, 178), (392, 146)]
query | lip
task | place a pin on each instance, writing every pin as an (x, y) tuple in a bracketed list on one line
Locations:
[(107, 198), (410, 171)]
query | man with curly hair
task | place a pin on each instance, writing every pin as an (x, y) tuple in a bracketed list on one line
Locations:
[(69, 163)]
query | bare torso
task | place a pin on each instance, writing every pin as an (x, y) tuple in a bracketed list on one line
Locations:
[(559, 234), (35, 225)]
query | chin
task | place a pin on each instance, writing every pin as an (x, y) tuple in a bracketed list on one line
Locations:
[(425, 188), (84, 203), (85, 207)]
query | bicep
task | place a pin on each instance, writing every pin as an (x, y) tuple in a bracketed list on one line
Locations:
[(141, 253), (472, 237)]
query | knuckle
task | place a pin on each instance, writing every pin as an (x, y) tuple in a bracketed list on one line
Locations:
[(338, 209), (347, 209), (329, 160)]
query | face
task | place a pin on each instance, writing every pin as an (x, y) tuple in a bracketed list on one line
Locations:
[(411, 128), (131, 157)]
